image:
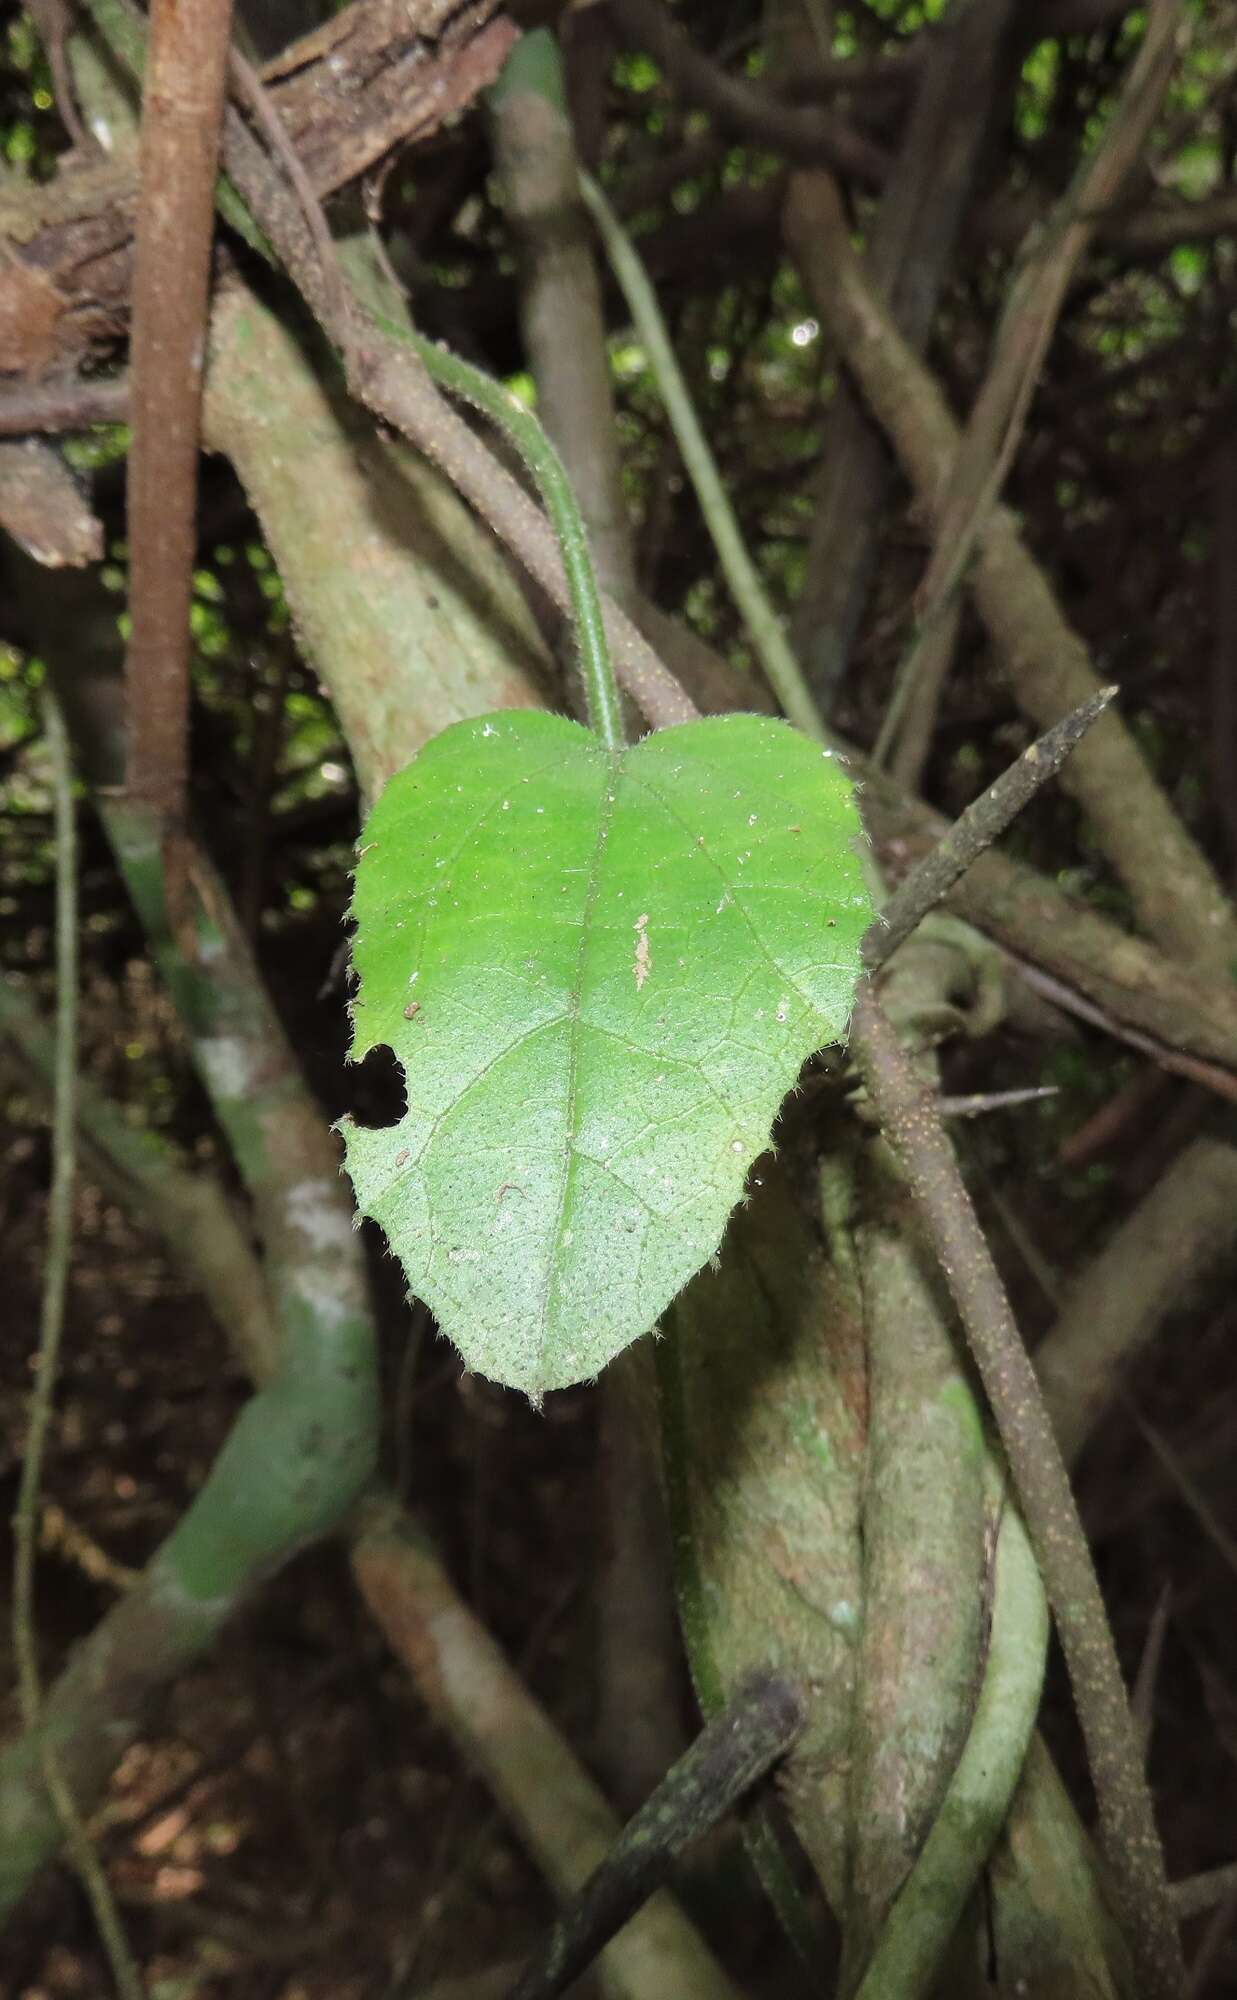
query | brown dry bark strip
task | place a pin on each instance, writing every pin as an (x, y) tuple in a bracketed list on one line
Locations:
[(383, 73), (914, 1132), (1174, 891), (182, 106)]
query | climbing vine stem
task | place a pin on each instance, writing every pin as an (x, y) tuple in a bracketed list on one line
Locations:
[(914, 1132)]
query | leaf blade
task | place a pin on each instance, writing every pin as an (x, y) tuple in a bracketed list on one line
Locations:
[(601, 975)]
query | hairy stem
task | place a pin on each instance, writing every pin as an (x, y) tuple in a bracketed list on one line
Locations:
[(519, 424)]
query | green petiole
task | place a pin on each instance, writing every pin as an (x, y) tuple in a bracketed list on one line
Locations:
[(495, 401)]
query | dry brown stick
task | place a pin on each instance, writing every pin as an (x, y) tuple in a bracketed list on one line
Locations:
[(63, 406), (993, 433), (1182, 1233), (914, 1132), (470, 1688), (911, 248), (735, 1750), (1212, 1076), (1028, 322), (182, 105), (1175, 893)]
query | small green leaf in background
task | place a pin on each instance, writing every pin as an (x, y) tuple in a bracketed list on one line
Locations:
[(601, 976)]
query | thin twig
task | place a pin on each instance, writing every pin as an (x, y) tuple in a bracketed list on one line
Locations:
[(182, 105), (1212, 1076), (1196, 1893), (1187, 1489), (733, 1751), (782, 669), (51, 1328), (918, 1140), (1142, 1700), (248, 89), (63, 406), (976, 1103), (993, 434), (799, 133), (983, 823)]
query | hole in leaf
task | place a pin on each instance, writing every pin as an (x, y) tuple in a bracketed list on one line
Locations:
[(379, 1098)]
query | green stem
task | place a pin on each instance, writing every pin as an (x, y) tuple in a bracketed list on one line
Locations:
[(59, 1224), (919, 1926), (776, 656), (496, 402), (51, 1328)]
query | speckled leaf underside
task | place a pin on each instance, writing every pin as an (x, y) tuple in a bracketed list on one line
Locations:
[(601, 975)]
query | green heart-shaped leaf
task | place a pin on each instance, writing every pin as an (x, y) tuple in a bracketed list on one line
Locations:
[(601, 975)]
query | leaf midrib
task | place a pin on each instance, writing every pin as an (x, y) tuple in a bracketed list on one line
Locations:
[(613, 763)]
